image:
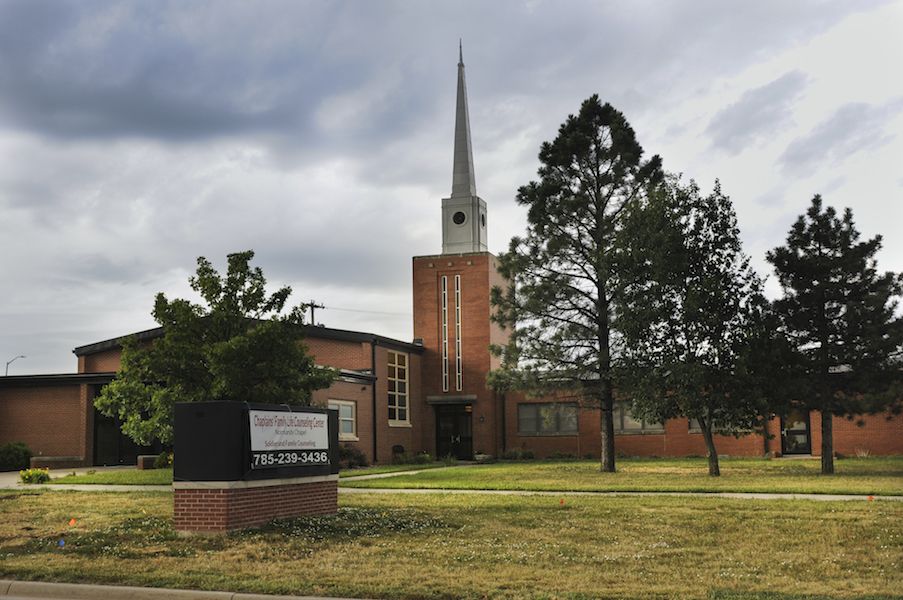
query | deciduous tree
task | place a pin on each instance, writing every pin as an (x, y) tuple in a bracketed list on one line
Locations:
[(691, 315), (237, 345)]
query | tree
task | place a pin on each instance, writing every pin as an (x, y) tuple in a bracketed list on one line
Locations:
[(565, 272), (237, 346), (691, 315), (840, 314)]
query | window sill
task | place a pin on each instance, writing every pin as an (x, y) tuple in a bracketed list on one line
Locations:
[(349, 438), (402, 424), (539, 434), (659, 432)]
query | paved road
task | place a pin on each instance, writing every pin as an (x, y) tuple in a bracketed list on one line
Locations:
[(11, 590)]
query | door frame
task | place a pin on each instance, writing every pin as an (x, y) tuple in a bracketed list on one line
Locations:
[(454, 411), (808, 433)]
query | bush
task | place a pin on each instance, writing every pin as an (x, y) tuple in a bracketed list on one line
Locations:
[(562, 456), (34, 475), (518, 454), (351, 457), (164, 460), (449, 460), (14, 456), (406, 458)]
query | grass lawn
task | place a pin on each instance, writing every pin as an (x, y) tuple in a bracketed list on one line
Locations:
[(456, 546), (164, 476), (119, 477), (854, 476)]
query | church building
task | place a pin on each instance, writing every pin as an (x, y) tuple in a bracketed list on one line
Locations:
[(427, 395)]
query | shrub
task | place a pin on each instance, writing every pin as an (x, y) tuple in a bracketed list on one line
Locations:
[(164, 460), (518, 454), (562, 456), (449, 460), (351, 457), (14, 456), (406, 458), (34, 475)]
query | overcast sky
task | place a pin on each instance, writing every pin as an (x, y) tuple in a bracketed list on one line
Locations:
[(135, 137)]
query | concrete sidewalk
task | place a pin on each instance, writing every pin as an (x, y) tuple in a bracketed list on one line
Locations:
[(71, 591)]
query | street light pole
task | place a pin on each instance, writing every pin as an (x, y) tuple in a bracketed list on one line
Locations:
[(12, 360)]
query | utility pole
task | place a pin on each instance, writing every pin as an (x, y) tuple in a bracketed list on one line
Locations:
[(313, 307)]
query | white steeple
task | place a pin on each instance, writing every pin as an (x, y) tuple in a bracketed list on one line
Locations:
[(464, 213)]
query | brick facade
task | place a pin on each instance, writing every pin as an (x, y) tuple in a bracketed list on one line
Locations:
[(211, 507), (51, 420), (478, 273)]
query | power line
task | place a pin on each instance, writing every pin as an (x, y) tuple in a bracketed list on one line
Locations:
[(372, 312)]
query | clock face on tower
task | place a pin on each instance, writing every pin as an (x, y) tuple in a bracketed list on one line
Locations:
[(459, 217)]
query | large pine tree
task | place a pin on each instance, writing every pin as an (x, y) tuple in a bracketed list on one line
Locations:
[(566, 270), (841, 315)]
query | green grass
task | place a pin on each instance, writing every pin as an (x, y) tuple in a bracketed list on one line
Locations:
[(854, 476), (120, 477), (380, 469), (445, 546), (164, 476)]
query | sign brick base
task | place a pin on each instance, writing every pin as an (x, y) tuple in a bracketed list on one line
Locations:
[(207, 507)]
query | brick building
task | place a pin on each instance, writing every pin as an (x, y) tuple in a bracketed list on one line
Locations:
[(429, 395)]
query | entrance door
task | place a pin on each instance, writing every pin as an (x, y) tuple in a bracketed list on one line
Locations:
[(795, 438), (454, 433)]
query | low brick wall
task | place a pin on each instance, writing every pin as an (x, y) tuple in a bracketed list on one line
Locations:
[(221, 506)]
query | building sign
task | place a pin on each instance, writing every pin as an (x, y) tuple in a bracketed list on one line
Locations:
[(288, 439)]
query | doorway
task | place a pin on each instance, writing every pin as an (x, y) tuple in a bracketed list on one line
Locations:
[(795, 435), (454, 431)]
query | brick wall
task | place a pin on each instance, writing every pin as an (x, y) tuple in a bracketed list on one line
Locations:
[(478, 273), (48, 419), (339, 354), (207, 509), (107, 361), (362, 396)]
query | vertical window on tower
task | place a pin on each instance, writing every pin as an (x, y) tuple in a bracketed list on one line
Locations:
[(398, 388), (459, 376), (444, 317)]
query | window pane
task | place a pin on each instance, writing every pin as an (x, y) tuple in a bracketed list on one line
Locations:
[(568, 418), (402, 414), (393, 374), (392, 387), (401, 401), (401, 387), (548, 421), (616, 418), (631, 424), (526, 418), (402, 359), (392, 413), (346, 411), (402, 373), (346, 426)]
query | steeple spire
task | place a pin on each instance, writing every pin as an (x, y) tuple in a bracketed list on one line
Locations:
[(463, 213), (463, 181)]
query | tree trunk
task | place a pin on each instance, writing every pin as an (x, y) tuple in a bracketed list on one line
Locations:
[(827, 443), (714, 470), (607, 429)]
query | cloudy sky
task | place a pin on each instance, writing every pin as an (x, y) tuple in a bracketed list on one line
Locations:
[(135, 137)]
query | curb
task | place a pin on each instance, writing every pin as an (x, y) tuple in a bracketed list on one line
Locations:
[(77, 591)]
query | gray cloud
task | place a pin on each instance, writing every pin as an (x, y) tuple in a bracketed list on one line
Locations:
[(138, 136), (758, 113), (850, 129)]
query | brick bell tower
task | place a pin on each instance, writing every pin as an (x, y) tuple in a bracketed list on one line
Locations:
[(451, 314)]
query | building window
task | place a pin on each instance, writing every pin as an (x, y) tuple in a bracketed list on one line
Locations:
[(444, 316), (625, 423), (553, 418), (459, 365), (398, 389), (347, 419)]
